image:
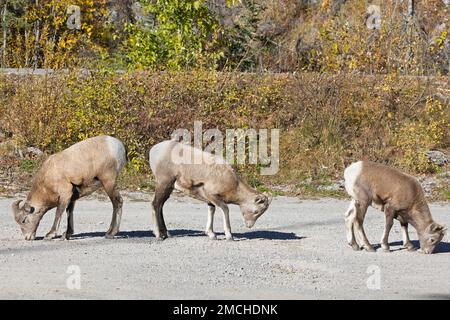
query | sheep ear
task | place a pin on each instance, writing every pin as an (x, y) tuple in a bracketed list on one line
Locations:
[(259, 199), (20, 204), (435, 227), (17, 210), (269, 197), (23, 205), (28, 209)]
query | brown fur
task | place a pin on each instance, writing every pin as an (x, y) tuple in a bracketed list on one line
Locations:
[(212, 181), (67, 176), (400, 196)]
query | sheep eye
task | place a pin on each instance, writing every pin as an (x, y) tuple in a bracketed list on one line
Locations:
[(432, 241)]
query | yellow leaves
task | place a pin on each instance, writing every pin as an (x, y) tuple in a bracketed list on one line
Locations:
[(68, 42), (57, 45), (231, 3), (325, 117), (87, 28), (429, 132), (59, 20), (345, 44)]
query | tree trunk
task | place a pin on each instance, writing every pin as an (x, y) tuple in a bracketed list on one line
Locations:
[(411, 9), (36, 40), (410, 22), (5, 34)]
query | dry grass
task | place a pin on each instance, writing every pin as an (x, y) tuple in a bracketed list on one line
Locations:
[(326, 121)]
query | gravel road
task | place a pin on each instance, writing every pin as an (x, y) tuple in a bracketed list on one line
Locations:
[(297, 250)]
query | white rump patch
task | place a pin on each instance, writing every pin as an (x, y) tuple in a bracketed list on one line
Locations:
[(351, 174), (157, 153), (118, 151)]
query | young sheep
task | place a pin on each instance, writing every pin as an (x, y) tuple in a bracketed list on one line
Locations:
[(69, 175), (205, 177), (399, 195)]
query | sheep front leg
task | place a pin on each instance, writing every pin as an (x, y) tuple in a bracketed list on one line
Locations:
[(389, 218), (59, 212), (226, 221), (209, 225), (406, 241), (162, 193)]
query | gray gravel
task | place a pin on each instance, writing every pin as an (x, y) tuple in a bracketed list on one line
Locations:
[(297, 250)]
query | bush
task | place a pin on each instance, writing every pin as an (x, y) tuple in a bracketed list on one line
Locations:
[(428, 132), (326, 121)]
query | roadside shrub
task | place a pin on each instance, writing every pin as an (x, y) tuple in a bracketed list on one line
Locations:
[(430, 131), (326, 121)]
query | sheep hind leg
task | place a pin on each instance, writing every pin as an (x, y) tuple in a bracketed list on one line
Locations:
[(361, 209), (117, 203), (350, 216), (76, 194), (70, 230), (162, 193)]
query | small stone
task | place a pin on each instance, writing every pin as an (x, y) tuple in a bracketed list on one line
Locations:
[(34, 151), (438, 158)]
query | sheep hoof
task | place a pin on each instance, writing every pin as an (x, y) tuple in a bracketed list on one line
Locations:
[(368, 248), (50, 236), (410, 248), (66, 235), (211, 235), (355, 246), (229, 238), (162, 237), (109, 236)]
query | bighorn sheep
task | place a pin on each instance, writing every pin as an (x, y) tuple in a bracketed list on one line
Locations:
[(203, 176), (399, 195), (69, 175)]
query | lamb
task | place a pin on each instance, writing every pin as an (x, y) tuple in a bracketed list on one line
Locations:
[(399, 195), (205, 177), (69, 175)]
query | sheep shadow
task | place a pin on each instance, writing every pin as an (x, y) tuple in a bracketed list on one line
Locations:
[(261, 234), (268, 235), (120, 235), (435, 296), (442, 247), (138, 234)]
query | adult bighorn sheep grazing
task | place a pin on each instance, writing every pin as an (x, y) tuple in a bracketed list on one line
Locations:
[(205, 177), (399, 195), (69, 175)]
